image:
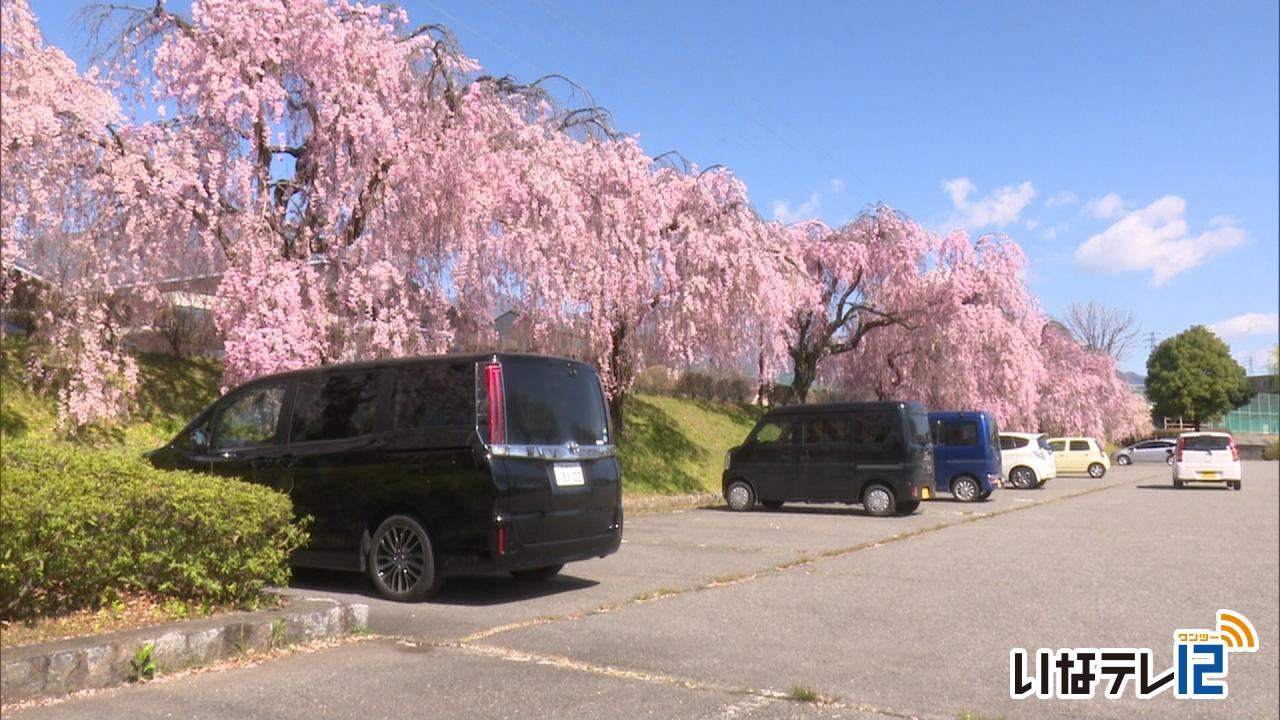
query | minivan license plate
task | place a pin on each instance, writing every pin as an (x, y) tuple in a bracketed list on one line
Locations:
[(569, 475)]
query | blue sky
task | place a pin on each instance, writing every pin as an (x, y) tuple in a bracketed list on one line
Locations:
[(1132, 149)]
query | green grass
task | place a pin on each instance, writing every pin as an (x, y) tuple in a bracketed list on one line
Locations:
[(670, 446), (674, 446), (171, 391), (799, 693)]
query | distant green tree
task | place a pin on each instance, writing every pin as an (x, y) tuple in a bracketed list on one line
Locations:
[(1192, 375), (1275, 368)]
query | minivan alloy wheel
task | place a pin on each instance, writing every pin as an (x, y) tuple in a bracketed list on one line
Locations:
[(401, 564), (400, 558)]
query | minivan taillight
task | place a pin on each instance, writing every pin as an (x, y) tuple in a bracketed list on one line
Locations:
[(1235, 451), (493, 384), (1178, 453)]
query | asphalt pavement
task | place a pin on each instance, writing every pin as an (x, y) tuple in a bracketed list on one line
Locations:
[(714, 614)]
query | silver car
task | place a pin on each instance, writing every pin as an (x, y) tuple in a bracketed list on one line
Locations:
[(1152, 451)]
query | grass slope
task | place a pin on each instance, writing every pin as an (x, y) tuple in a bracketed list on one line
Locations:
[(672, 446), (170, 392), (676, 446)]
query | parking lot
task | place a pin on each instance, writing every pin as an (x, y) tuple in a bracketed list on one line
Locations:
[(709, 613)]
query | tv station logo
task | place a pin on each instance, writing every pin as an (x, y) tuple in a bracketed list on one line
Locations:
[(1199, 672)]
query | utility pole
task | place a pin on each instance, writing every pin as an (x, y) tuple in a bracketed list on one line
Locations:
[(1151, 341)]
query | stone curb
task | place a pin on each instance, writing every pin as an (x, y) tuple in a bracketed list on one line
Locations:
[(67, 666)]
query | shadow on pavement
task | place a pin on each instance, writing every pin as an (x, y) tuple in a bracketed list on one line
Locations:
[(851, 510), (469, 590), (1192, 488), (791, 509)]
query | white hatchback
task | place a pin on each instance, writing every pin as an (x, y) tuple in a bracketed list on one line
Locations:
[(1210, 457), (1027, 459)]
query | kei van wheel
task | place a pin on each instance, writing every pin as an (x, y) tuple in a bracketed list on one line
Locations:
[(1096, 470), (1023, 478), (401, 560), (965, 489), (878, 500), (740, 496)]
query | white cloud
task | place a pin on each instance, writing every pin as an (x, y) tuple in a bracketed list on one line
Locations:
[(1248, 324), (837, 185), (1060, 199), (1107, 207), (807, 210), (1031, 223), (1155, 238), (1003, 206)]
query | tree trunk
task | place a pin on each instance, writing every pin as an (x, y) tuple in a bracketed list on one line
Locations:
[(760, 378), (622, 369), (806, 371), (615, 411)]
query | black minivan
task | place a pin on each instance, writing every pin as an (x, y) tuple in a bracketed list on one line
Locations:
[(418, 468), (875, 453)]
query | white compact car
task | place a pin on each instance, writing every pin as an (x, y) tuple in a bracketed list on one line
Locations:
[(1210, 457), (1027, 459)]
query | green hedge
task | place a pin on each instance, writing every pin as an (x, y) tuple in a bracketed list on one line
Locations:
[(1272, 450), (78, 526)]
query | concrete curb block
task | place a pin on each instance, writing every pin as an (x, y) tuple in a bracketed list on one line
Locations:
[(66, 666)]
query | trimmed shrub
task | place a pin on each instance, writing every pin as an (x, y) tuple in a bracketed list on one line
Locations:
[(696, 386), (1271, 451), (656, 380), (79, 526), (733, 390)]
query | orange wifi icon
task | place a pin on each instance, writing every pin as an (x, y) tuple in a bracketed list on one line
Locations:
[(1237, 632)]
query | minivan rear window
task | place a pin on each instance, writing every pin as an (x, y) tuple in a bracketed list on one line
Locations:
[(434, 395), (335, 407), (553, 403)]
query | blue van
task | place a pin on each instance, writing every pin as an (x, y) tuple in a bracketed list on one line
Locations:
[(966, 454)]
